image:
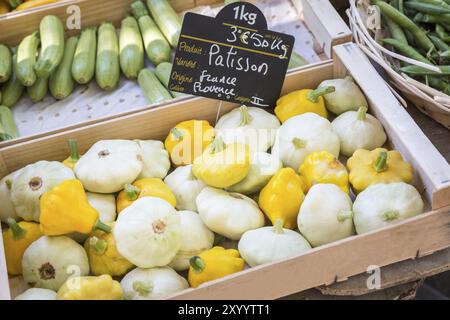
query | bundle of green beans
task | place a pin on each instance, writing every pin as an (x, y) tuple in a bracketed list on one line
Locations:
[(420, 30)]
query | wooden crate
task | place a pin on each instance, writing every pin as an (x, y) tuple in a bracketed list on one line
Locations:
[(327, 264), (15, 27)]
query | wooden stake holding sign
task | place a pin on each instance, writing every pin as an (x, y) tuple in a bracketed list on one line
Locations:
[(232, 57)]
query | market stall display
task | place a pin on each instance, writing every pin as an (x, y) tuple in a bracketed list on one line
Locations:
[(237, 216), (39, 114)]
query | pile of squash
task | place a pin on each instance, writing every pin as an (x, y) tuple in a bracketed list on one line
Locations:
[(152, 215)]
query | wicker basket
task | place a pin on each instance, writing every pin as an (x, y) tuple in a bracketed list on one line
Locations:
[(366, 28)]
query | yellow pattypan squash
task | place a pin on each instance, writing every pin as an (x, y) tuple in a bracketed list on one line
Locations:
[(377, 166), (187, 140), (148, 187), (323, 167), (72, 160), (103, 255), (302, 101), (65, 209), (222, 165), (282, 197), (213, 264), (16, 240), (90, 288)]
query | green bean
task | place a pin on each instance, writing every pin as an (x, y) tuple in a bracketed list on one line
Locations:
[(441, 45), (396, 31), (435, 2), (415, 70), (399, 18), (427, 8), (401, 7), (438, 84), (406, 50), (442, 34), (432, 18)]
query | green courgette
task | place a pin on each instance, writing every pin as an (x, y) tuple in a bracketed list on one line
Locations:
[(83, 66), (162, 72), (168, 21), (152, 88), (38, 90), (13, 89), (131, 48), (61, 81), (156, 46), (8, 128), (52, 46), (26, 59), (107, 70), (5, 63), (296, 61)]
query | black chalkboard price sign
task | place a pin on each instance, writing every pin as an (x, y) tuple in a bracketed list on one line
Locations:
[(232, 57)]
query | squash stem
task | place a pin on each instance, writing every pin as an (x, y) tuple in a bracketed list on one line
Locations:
[(177, 134), (131, 192), (8, 184), (299, 143), (217, 145), (278, 226), (344, 215), (197, 264), (143, 288), (381, 162), (17, 231), (101, 226), (390, 215), (98, 245), (74, 154), (314, 95), (362, 112), (245, 116)]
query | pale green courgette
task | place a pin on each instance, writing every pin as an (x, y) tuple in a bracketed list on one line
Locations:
[(154, 91), (5, 63), (38, 90), (156, 46), (61, 81), (107, 69), (131, 48), (26, 59), (168, 21), (8, 128), (13, 89), (83, 66), (52, 46)]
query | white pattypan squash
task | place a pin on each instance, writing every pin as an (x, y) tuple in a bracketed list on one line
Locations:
[(346, 96), (270, 244), (152, 284), (228, 214), (302, 135), (195, 238), (105, 204), (37, 294), (7, 209), (248, 125), (108, 165), (185, 186), (262, 168), (148, 233), (358, 130), (156, 162), (49, 261), (325, 215), (381, 205), (34, 180)]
